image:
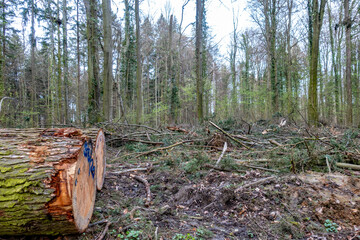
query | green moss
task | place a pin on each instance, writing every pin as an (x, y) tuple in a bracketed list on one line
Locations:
[(11, 182), (5, 153), (5, 169), (22, 170)]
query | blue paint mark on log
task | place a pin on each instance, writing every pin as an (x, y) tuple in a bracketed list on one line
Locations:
[(88, 155), (75, 182), (78, 171)]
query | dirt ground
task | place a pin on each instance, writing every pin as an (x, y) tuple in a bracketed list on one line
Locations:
[(192, 200)]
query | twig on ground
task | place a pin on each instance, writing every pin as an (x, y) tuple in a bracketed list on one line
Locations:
[(102, 235), (222, 154), (229, 135), (132, 212), (254, 183), (162, 148), (272, 141), (147, 187), (348, 165), (134, 140), (224, 170), (130, 170), (328, 164), (156, 233), (260, 168), (98, 222), (143, 126)]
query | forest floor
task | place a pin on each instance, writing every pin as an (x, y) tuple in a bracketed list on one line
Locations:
[(272, 181)]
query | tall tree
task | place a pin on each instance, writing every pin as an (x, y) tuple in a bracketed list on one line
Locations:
[(198, 56), (334, 64), (233, 52), (33, 66), (107, 73), (78, 102), (290, 4), (93, 66), (348, 84), (138, 66), (65, 63), (315, 15), (128, 61)]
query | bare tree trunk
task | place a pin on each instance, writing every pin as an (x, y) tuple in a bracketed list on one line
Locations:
[(59, 70), (107, 73), (33, 70), (198, 55), (334, 66), (348, 86), (65, 63), (290, 103), (78, 102), (93, 71), (234, 98), (138, 67), (317, 13)]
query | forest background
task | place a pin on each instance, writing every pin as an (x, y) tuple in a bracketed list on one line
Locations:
[(299, 59)]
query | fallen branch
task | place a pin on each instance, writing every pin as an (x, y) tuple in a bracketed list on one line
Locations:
[(222, 154), (98, 222), (348, 165), (229, 135), (162, 148), (260, 168), (102, 235), (255, 183), (143, 126), (130, 170), (222, 169), (275, 143), (147, 187), (135, 140)]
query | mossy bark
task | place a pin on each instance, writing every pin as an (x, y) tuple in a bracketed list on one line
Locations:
[(37, 171)]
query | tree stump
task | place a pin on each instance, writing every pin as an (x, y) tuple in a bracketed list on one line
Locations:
[(47, 181)]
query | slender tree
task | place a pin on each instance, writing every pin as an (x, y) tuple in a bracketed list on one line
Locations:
[(65, 63), (198, 56), (107, 73), (348, 84), (78, 101), (138, 66)]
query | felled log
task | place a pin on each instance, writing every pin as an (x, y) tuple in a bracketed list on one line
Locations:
[(47, 182)]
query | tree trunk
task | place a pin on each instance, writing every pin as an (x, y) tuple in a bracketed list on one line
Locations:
[(198, 55), (59, 70), (334, 66), (348, 86), (33, 71), (93, 68), (107, 73), (65, 63), (48, 181), (78, 106), (290, 103), (317, 13), (138, 66)]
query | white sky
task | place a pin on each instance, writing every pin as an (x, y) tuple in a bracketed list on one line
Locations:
[(219, 16)]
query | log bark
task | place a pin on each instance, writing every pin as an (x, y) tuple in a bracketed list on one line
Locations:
[(47, 181)]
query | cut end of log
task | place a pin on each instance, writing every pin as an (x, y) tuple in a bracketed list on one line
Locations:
[(84, 193), (100, 152)]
